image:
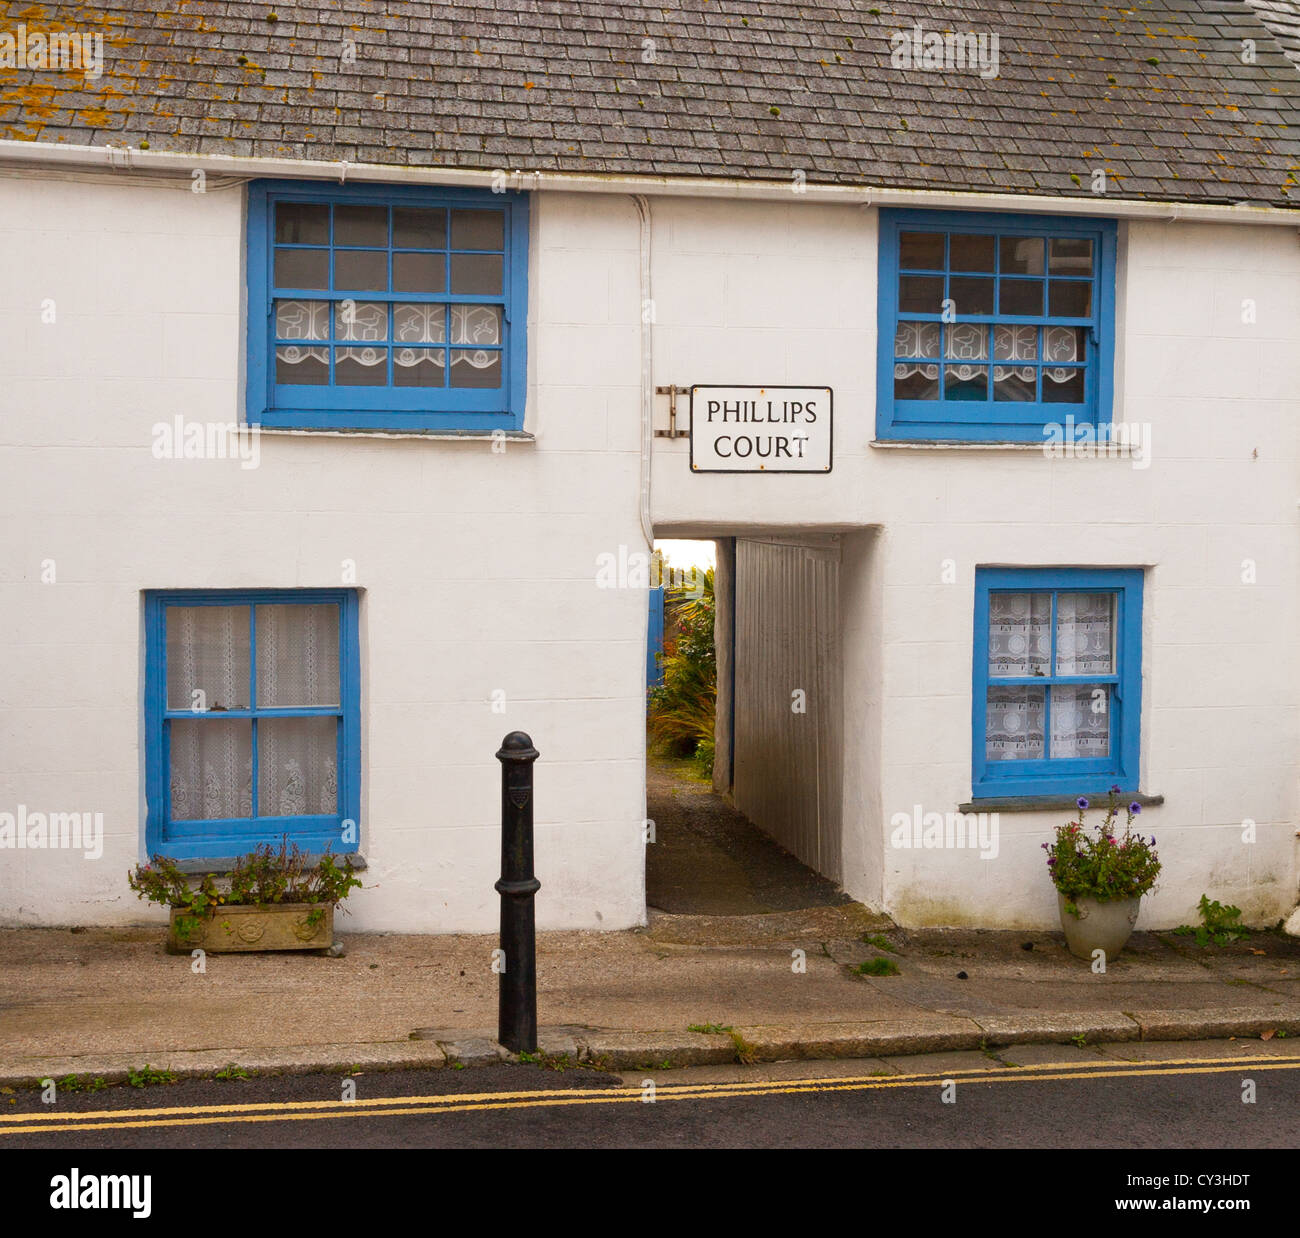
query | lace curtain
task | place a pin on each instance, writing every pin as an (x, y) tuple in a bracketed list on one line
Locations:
[(965, 346), (208, 652), (1020, 646), (475, 332)]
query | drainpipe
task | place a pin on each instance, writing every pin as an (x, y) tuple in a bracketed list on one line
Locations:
[(647, 371)]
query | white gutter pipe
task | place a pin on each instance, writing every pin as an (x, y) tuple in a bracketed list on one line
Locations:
[(647, 371), (130, 159)]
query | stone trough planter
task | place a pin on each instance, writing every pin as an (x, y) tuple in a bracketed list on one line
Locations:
[(273, 926)]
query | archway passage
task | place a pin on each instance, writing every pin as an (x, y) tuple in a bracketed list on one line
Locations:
[(765, 836)]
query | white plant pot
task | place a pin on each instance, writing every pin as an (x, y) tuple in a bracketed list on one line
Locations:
[(1098, 926)]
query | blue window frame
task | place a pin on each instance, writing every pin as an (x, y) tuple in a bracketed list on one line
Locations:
[(993, 326), (1058, 680), (252, 720), (386, 307)]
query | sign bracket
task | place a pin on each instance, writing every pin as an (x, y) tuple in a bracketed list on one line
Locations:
[(672, 393)]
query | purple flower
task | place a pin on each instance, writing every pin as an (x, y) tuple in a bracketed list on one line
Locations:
[(1135, 808), (1082, 803), (1115, 788), (1153, 840)]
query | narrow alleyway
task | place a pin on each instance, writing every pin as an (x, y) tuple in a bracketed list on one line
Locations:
[(708, 859)]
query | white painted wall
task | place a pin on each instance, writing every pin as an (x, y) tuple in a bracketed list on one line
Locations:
[(770, 294), (477, 569)]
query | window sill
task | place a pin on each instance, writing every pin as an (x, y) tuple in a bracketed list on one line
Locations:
[(484, 436), (221, 866), (1053, 803), (955, 445)]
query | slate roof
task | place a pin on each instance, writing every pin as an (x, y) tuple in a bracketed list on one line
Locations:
[(1156, 92), (1282, 17)]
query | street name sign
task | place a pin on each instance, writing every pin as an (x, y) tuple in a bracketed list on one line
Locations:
[(761, 429)]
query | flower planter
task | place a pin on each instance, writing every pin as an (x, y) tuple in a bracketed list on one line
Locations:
[(1098, 926), (272, 926)]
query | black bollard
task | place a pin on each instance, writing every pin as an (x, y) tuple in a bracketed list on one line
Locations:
[(517, 1008)]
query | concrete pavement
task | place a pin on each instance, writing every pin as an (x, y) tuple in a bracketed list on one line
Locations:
[(783, 986)]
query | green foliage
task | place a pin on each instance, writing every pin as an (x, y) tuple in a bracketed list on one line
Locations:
[(710, 1028), (1220, 925), (228, 1073), (1080, 1039), (1104, 867), (146, 1076), (75, 1083), (880, 941), (264, 876), (877, 967), (680, 717)]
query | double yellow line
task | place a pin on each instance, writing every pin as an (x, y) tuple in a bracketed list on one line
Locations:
[(402, 1106)]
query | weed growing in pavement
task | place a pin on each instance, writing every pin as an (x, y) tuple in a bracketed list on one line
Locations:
[(75, 1083), (146, 1076), (1220, 925), (227, 1073), (709, 1029), (880, 941), (1079, 1039), (877, 967)]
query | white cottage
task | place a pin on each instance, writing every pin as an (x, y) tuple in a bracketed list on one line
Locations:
[(344, 343)]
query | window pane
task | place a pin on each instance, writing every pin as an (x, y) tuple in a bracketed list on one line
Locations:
[(917, 339), (479, 325), (1014, 723), (971, 296), (297, 766), (302, 268), (419, 227), (965, 382), (1063, 386), (1021, 255), (360, 320), (1021, 297), (207, 654), (302, 223), (1015, 343), (920, 294), (916, 382), (420, 273), (302, 367), (970, 253), (418, 367), (475, 368), (1018, 384), (298, 655), (476, 274), (211, 774), (361, 225), (1080, 720), (1070, 255), (302, 320), (419, 323), (478, 230), (1064, 344), (966, 341), (1020, 640), (363, 269), (361, 367), (1069, 298), (920, 251), (1085, 633)]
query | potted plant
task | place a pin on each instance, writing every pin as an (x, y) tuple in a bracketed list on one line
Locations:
[(271, 899), (1100, 880)]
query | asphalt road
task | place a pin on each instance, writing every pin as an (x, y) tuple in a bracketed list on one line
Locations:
[(1109, 1104)]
